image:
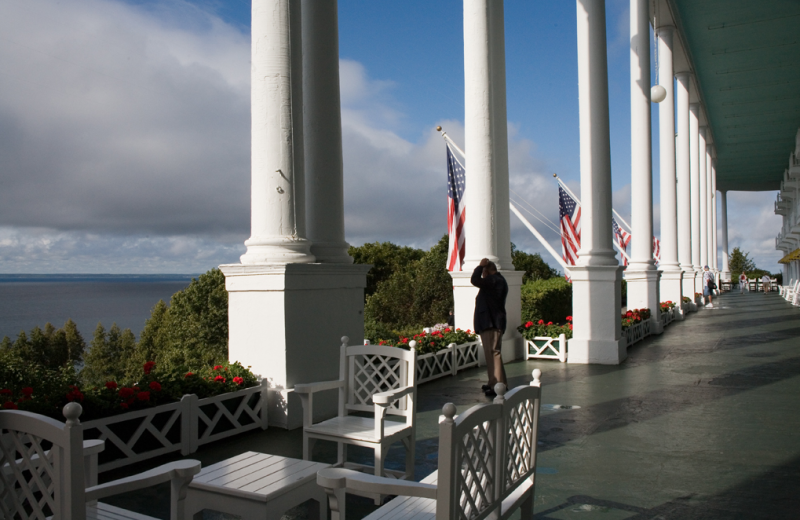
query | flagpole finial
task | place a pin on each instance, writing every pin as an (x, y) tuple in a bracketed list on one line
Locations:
[(438, 128), (555, 175)]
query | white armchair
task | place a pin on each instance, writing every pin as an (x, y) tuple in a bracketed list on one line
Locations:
[(48, 471), (372, 378)]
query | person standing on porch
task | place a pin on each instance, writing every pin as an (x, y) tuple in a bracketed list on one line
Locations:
[(490, 320), (708, 278), (742, 282), (765, 283)]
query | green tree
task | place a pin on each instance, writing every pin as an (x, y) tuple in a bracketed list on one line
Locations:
[(535, 268), (386, 258), (108, 355), (547, 300), (740, 261), (51, 348), (149, 340)]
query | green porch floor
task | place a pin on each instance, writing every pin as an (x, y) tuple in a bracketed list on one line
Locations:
[(700, 422)]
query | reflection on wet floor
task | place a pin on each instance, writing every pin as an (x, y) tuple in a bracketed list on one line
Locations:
[(700, 422)]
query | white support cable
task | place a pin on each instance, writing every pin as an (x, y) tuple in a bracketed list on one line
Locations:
[(549, 226), (538, 235), (531, 206)]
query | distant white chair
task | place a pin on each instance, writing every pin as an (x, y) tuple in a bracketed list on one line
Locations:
[(375, 379), (487, 466), (752, 284), (47, 471)]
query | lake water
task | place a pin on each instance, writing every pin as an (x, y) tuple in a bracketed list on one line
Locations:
[(27, 300)]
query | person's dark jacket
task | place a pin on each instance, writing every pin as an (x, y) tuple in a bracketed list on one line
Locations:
[(490, 304)]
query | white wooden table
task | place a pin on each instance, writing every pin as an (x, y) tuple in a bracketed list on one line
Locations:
[(256, 485)]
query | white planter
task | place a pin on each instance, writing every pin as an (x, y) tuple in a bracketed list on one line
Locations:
[(182, 426), (447, 362), (547, 348)]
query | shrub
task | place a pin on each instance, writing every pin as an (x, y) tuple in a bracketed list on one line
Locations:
[(540, 329), (547, 300), (434, 341), (634, 316)]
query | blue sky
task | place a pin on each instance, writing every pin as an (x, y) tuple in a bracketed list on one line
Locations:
[(127, 127)]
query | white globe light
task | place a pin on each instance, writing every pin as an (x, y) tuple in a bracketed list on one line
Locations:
[(658, 93)]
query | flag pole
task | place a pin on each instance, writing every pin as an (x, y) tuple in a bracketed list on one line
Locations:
[(566, 188), (540, 237), (452, 143)]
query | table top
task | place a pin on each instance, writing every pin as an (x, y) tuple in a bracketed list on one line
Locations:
[(256, 476)]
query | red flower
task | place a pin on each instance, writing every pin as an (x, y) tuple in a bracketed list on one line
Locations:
[(448, 330), (5, 391), (188, 374), (124, 405), (541, 322), (27, 391), (148, 367), (125, 393), (469, 331), (549, 322), (569, 318), (570, 326), (217, 367), (111, 385), (529, 324), (135, 388), (238, 380), (381, 342), (8, 405), (629, 314), (143, 396), (155, 386), (219, 379), (433, 343), (74, 394)]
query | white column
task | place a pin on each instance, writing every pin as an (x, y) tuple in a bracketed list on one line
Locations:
[(672, 276), (710, 210), (500, 141), (486, 128), (703, 190), (723, 210), (683, 171), (642, 276), (694, 165), (277, 192), (323, 132), (479, 134), (597, 277)]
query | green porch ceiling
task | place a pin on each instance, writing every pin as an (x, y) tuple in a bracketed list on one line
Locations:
[(746, 57)]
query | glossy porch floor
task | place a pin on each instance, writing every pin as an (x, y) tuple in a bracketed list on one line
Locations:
[(702, 422)]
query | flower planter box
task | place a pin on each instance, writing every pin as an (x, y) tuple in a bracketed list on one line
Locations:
[(447, 362), (668, 317), (547, 348), (182, 426), (635, 333)]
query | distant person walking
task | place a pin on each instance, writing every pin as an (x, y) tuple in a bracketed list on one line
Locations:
[(765, 283), (490, 320), (708, 286), (742, 282)]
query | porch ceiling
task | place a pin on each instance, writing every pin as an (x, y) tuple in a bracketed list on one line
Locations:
[(746, 59)]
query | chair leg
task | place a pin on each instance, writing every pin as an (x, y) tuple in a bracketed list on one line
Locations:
[(341, 450), (410, 453), (308, 446), (379, 455), (526, 508)]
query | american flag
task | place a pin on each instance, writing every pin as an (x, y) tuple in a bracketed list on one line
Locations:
[(623, 239), (656, 250), (570, 217), (456, 211)]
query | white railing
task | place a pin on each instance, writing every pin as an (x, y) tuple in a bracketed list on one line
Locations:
[(668, 317), (635, 332), (182, 426), (447, 362), (547, 348)]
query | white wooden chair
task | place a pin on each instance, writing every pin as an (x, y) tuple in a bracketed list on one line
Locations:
[(47, 471), (752, 284), (487, 466), (372, 378)]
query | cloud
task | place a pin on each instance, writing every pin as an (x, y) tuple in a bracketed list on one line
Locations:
[(753, 226)]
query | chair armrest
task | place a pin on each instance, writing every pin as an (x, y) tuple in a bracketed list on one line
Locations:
[(340, 478), (388, 397), (310, 388), (179, 470)]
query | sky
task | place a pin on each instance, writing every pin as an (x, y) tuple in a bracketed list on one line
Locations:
[(125, 129)]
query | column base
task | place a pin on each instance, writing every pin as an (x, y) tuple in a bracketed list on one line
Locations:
[(698, 281), (596, 306), (331, 252), (671, 286), (277, 250), (270, 312), (689, 284), (464, 294)]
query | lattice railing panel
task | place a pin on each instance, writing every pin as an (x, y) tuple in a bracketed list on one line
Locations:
[(519, 436), (467, 355), (241, 412), (475, 480), (434, 365), (27, 474)]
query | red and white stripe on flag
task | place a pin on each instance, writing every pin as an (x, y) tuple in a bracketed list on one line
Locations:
[(456, 211)]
